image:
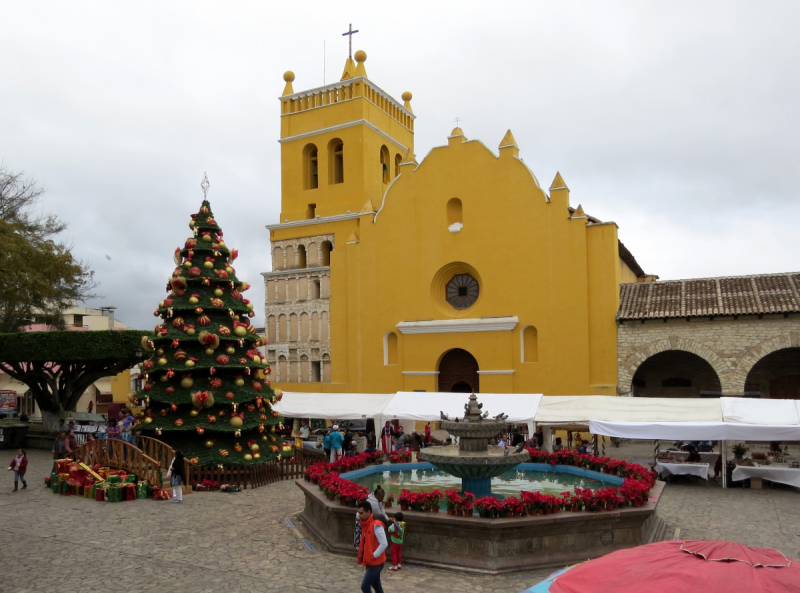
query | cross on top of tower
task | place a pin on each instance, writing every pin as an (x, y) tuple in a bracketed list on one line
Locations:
[(350, 33), (457, 120)]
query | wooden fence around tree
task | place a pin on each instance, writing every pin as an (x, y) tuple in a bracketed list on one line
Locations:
[(152, 457), (119, 454)]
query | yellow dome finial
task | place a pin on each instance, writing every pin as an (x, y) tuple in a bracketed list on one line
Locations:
[(407, 100), (361, 57), (288, 76)]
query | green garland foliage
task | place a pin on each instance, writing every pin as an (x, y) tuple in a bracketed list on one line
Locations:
[(205, 391), (66, 346)]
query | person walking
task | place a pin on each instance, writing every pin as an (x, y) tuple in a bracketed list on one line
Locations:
[(400, 439), (337, 438), (177, 476), (71, 442), (59, 448), (371, 549), (19, 466)]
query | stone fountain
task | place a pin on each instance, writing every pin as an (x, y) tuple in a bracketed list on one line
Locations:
[(474, 460)]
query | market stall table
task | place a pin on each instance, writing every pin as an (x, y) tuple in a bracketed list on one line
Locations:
[(706, 457), (683, 469), (782, 475)]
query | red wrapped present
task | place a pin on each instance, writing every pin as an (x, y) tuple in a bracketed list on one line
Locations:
[(130, 492), (160, 494), (64, 465)]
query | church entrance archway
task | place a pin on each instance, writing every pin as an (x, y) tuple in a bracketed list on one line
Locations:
[(676, 373), (458, 372), (776, 376)]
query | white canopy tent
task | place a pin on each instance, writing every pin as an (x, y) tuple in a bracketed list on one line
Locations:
[(695, 431), (427, 406), (566, 410), (761, 411), (339, 406)]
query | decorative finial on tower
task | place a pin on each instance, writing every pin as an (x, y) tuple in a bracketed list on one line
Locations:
[(361, 57), (558, 182), (407, 100), (288, 76), (205, 184)]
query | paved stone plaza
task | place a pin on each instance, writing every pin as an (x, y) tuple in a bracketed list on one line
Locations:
[(240, 542)]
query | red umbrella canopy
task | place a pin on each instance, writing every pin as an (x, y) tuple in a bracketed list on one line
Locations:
[(684, 567)]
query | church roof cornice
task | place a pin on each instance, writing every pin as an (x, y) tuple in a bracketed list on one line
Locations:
[(346, 83)]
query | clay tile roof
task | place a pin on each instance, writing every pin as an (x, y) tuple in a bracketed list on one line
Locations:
[(704, 297)]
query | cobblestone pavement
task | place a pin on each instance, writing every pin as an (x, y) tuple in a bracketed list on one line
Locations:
[(240, 542)]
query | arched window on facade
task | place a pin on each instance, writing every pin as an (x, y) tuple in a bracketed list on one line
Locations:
[(335, 161), (385, 163), (310, 167), (291, 264), (313, 256), (315, 326), (455, 211), (282, 329), (301, 256), (304, 327), (390, 348), (324, 325), (397, 160), (283, 369), (293, 327), (327, 247), (271, 329), (530, 344), (277, 259), (304, 369)]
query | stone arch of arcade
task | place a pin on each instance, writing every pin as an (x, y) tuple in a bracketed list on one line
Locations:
[(675, 357), (768, 360)]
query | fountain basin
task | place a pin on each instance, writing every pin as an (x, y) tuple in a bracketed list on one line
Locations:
[(493, 546), (473, 465)]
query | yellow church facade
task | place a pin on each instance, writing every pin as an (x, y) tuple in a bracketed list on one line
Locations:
[(456, 272)]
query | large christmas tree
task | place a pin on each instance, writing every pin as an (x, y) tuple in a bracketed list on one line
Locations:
[(205, 390)]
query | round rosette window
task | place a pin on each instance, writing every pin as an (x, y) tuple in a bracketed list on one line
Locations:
[(462, 291), (456, 289)]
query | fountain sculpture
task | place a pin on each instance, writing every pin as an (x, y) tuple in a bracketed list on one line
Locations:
[(474, 460)]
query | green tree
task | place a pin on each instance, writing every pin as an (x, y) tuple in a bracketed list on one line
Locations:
[(205, 389), (59, 366), (38, 275)]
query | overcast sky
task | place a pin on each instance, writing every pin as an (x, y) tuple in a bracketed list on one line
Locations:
[(677, 120)]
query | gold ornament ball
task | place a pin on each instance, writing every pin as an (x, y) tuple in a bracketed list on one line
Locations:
[(250, 306), (193, 300), (229, 270), (208, 265), (218, 292), (254, 447), (191, 224), (209, 444), (193, 413), (187, 382), (190, 331), (236, 422), (248, 457), (160, 352), (207, 238), (148, 420), (189, 363), (230, 350), (256, 455), (187, 264), (162, 361), (209, 351), (239, 382), (240, 331), (161, 304), (164, 378)]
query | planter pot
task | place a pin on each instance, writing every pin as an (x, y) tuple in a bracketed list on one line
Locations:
[(509, 514), (403, 507), (343, 502), (331, 497), (484, 514), (351, 503), (459, 513), (435, 509), (388, 505), (468, 513), (451, 512), (576, 509)]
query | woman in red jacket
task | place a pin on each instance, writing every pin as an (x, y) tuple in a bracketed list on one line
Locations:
[(371, 549), (19, 465)]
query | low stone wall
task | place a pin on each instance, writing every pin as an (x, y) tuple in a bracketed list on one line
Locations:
[(492, 545)]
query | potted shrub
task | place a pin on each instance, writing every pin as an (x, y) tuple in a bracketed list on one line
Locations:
[(513, 507), (404, 500), (467, 502), (739, 450), (432, 500), (389, 501), (453, 500)]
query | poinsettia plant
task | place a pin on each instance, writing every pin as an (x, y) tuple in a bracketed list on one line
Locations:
[(400, 456)]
